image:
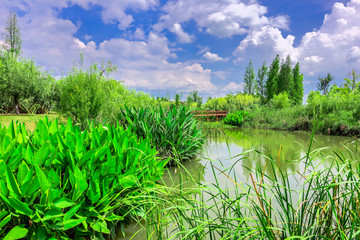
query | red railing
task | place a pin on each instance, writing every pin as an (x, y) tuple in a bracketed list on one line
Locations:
[(208, 114)]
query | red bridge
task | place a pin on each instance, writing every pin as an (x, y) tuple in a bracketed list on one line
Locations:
[(208, 114)]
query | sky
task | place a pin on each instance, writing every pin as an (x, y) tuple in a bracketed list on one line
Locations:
[(165, 47)]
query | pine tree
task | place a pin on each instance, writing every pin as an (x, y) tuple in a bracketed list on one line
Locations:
[(284, 83), (12, 42), (298, 85), (271, 83), (249, 79), (261, 80)]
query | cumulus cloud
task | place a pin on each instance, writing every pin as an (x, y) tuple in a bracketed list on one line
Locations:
[(213, 57), (334, 46), (114, 11), (142, 62), (221, 18), (233, 87), (182, 36)]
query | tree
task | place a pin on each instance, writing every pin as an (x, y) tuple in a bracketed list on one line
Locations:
[(298, 92), (285, 81), (352, 81), (260, 80), (20, 79), (324, 83), (271, 83), (13, 41), (249, 79)]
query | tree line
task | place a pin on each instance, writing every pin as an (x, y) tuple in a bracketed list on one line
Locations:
[(274, 80)]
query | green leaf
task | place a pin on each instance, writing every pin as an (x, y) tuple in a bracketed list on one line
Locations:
[(101, 227), (42, 154), (44, 183), (12, 184), (63, 203), (5, 221), (16, 233), (19, 206)]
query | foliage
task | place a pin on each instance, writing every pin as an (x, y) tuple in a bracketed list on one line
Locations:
[(249, 80), (21, 81), (60, 182), (352, 82), (261, 80), (174, 132), (298, 91), (12, 43), (280, 101), (194, 100), (324, 83), (118, 96), (285, 79), (232, 102), (271, 83), (82, 94), (236, 118)]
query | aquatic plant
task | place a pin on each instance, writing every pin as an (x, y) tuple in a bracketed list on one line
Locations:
[(174, 132), (59, 182)]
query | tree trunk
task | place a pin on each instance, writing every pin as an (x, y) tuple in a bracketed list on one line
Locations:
[(16, 101)]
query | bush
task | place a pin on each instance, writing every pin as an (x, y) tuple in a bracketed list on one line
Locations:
[(63, 183), (174, 132), (236, 118), (280, 101)]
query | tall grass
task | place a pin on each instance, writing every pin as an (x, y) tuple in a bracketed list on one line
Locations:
[(174, 132), (315, 203)]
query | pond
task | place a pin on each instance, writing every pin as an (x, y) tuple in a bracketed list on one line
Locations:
[(244, 149)]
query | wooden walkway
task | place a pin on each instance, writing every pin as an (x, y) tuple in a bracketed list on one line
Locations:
[(208, 114)]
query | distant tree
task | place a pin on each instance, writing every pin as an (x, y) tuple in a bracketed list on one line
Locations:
[(13, 41), (21, 79), (352, 81), (298, 92), (261, 80), (324, 83), (177, 100), (285, 81), (249, 79), (271, 83), (194, 97)]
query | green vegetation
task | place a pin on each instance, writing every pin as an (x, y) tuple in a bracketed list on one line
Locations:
[(174, 132), (236, 118), (62, 182)]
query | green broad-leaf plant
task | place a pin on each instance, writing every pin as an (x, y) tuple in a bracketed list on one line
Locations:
[(59, 182)]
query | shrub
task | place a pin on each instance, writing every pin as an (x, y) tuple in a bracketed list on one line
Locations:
[(65, 183), (236, 118), (280, 101), (82, 94)]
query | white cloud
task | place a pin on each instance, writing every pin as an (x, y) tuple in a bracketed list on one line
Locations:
[(139, 34), (333, 47), (182, 36), (87, 37), (114, 11), (222, 18), (233, 87), (142, 63), (213, 57)]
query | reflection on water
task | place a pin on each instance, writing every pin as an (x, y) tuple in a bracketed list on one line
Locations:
[(248, 149)]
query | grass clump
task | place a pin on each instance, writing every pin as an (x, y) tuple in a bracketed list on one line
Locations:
[(174, 132)]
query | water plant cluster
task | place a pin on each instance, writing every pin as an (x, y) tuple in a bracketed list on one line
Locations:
[(60, 182), (174, 131)]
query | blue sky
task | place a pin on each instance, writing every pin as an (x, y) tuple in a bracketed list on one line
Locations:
[(163, 47)]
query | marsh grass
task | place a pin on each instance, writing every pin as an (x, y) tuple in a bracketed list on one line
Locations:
[(317, 202)]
